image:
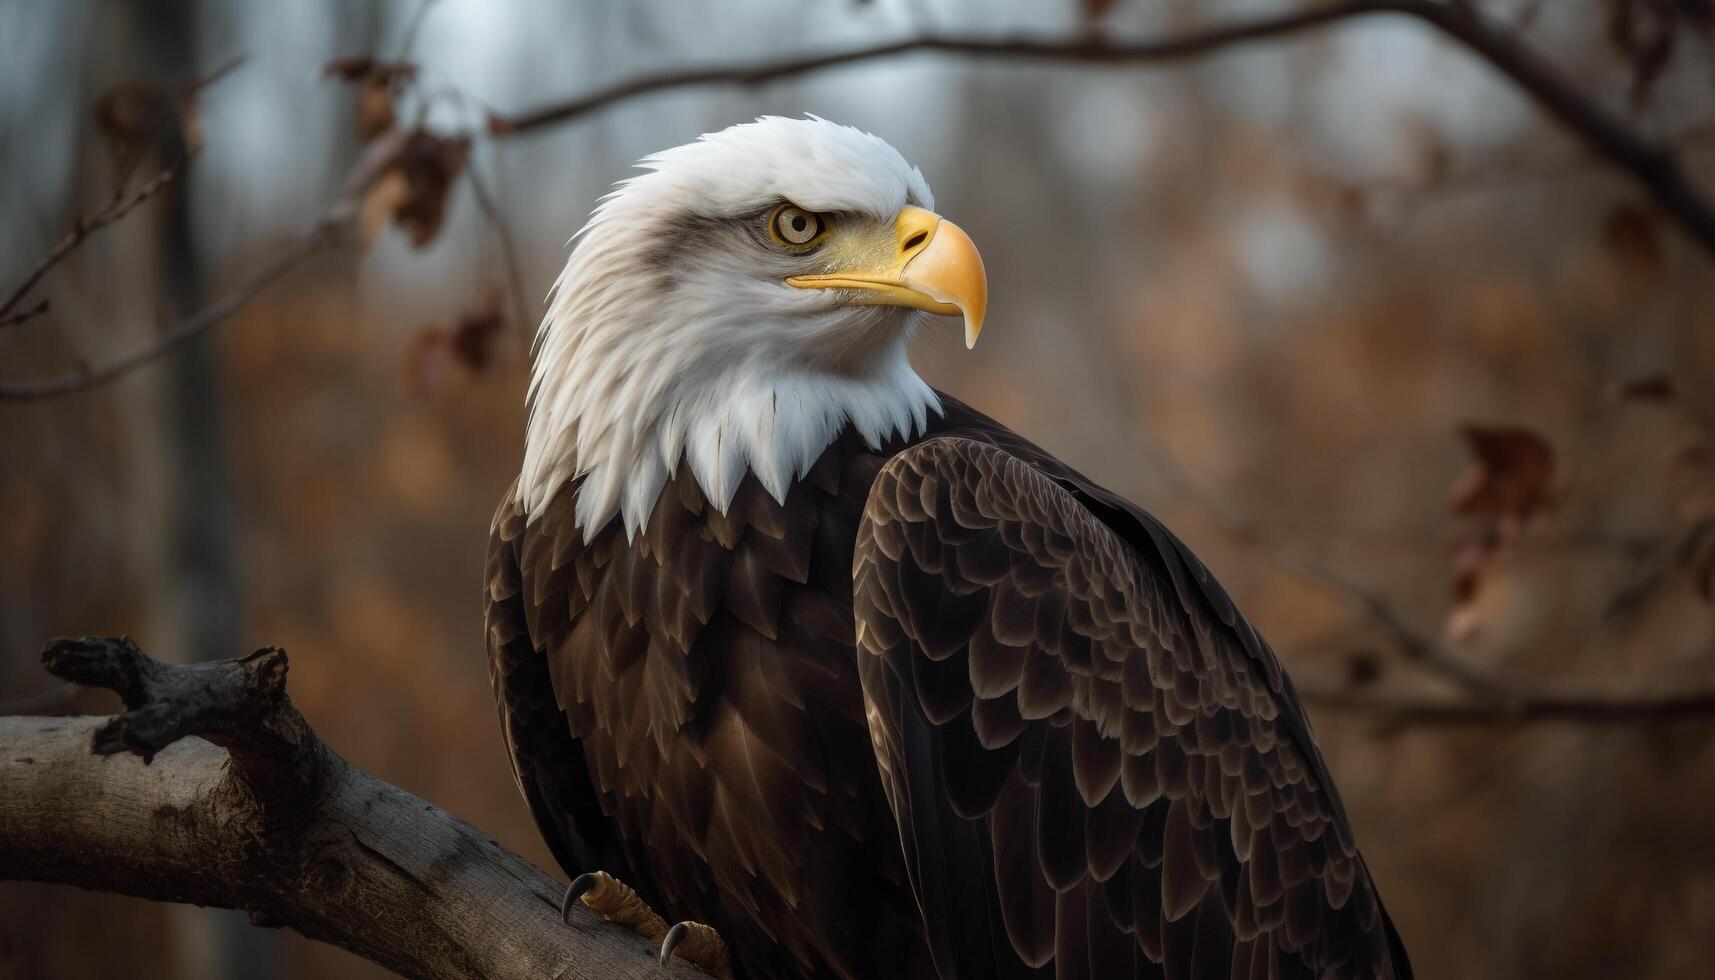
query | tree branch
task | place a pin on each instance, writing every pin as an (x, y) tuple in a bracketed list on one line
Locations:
[(217, 792), (1583, 706), (1652, 164), (1189, 45), (182, 333), (115, 209)]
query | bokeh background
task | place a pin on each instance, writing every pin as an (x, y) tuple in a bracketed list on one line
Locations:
[(1265, 293)]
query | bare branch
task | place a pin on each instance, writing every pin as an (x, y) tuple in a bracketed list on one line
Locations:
[(185, 331), (508, 252), (1083, 51), (277, 824), (24, 316), (219, 72), (80, 232), (1652, 164), (1583, 705)]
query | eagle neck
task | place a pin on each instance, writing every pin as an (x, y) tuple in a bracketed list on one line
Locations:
[(747, 416)]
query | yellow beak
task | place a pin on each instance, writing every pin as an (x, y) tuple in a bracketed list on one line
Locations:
[(934, 267)]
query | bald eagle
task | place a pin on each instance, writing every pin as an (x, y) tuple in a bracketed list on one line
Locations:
[(848, 676)]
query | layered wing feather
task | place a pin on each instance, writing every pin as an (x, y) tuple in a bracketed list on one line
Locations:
[(1097, 767), (548, 766)]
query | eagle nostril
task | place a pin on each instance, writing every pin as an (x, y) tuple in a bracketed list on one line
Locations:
[(915, 240)]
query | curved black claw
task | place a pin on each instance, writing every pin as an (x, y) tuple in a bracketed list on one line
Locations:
[(671, 941), (700, 945), (580, 886)]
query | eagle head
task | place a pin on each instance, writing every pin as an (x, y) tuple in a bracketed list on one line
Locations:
[(732, 309)]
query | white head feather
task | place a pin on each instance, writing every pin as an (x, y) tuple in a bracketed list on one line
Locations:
[(672, 338)]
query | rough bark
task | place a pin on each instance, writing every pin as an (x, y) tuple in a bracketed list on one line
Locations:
[(212, 789)]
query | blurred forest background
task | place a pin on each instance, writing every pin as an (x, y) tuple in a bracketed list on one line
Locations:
[(1427, 383)]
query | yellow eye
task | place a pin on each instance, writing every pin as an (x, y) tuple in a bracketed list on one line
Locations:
[(796, 227)]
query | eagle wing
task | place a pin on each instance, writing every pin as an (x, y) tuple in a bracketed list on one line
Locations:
[(547, 764), (1097, 767)]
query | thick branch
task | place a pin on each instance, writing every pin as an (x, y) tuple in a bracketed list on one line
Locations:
[(1651, 164), (279, 826)]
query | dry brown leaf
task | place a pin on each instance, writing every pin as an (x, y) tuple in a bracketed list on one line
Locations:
[(1493, 597), (1648, 388), (363, 67), (473, 337), (377, 83), (431, 164), (1702, 560), (472, 342), (412, 186), (374, 108), (129, 117), (1690, 461), (133, 117), (189, 116), (1363, 668), (1631, 232), (1646, 33), (1512, 479), (381, 202), (350, 69)]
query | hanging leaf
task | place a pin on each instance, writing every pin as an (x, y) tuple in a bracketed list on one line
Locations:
[(1648, 388), (1702, 560), (378, 84), (1646, 34), (471, 342), (1510, 482), (411, 184), (129, 117), (134, 117), (1513, 476), (1631, 232), (381, 202)]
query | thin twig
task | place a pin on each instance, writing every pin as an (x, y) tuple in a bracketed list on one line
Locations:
[(370, 165), (185, 331), (219, 72), (508, 251), (80, 231), (1583, 707), (412, 29), (1498, 176), (24, 316), (1651, 163)]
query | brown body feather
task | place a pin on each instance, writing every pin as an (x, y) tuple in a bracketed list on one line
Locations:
[(1035, 739)]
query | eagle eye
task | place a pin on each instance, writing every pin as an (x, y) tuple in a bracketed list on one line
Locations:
[(795, 227)]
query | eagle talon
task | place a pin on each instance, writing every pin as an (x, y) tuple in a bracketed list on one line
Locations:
[(701, 946), (580, 885), (614, 901)]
